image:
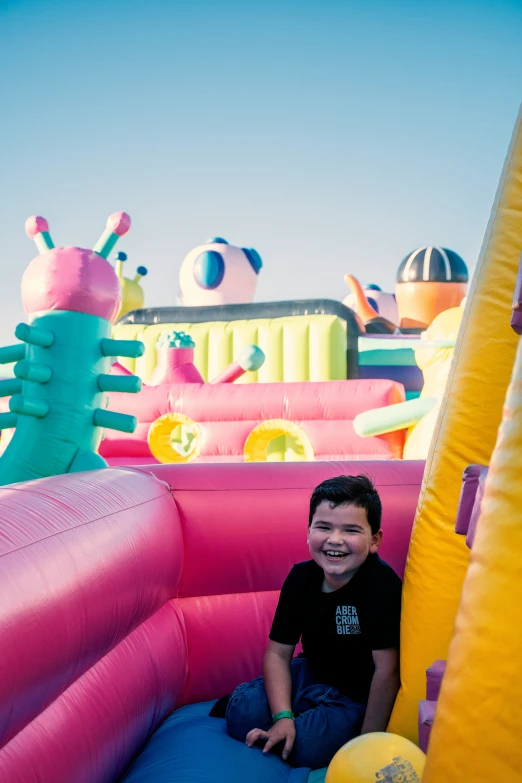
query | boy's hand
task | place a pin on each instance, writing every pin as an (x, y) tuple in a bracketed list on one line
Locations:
[(283, 729)]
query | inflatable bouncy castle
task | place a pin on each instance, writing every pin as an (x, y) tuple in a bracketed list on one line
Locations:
[(174, 417), (321, 346), (134, 597), (64, 382), (287, 408)]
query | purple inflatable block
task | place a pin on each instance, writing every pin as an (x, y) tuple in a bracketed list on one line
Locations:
[(470, 482), (475, 513), (516, 318), (434, 677), (426, 718), (427, 707)]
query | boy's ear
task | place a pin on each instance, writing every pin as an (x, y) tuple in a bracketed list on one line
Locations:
[(376, 542)]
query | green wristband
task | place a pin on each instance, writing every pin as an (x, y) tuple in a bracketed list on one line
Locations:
[(282, 714)]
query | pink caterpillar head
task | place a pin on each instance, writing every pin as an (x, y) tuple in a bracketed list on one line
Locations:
[(73, 278)]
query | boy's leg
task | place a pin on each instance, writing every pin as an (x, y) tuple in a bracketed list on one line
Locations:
[(323, 730), (248, 706), (248, 709), (325, 721)]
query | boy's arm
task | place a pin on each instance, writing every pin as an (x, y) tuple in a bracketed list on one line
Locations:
[(383, 690), (278, 679)]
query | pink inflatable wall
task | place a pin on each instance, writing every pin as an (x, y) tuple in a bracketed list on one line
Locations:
[(227, 414), (113, 582)]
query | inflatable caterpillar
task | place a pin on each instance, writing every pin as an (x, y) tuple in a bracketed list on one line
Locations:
[(62, 373)]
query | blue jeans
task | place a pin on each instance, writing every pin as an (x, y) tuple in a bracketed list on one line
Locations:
[(324, 719)]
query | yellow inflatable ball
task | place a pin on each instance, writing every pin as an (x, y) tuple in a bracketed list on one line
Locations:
[(377, 757)]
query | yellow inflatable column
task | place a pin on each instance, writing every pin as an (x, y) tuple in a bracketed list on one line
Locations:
[(477, 731), (466, 431)]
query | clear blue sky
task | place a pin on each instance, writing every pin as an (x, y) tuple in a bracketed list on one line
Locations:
[(332, 135)]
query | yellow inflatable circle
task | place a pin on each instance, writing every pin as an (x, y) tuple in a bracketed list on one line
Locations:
[(378, 756), (174, 437), (278, 440)]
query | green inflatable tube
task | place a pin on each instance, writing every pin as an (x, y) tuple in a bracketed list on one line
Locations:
[(394, 417)]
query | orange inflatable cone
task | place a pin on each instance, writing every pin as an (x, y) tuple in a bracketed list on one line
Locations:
[(362, 307)]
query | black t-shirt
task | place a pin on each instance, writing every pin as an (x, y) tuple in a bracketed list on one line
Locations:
[(340, 629)]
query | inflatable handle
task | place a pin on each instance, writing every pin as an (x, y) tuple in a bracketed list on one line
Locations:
[(516, 318), (393, 417), (250, 359)]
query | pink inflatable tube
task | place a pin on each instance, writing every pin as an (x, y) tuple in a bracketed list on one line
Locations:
[(114, 581), (227, 414)]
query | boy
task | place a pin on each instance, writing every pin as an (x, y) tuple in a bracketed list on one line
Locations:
[(344, 605)]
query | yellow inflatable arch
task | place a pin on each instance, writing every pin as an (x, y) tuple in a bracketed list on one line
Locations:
[(176, 438), (278, 440)]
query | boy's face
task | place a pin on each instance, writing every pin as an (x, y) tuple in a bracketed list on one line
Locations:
[(340, 539)]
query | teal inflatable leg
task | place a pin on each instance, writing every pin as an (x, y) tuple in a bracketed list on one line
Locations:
[(86, 460)]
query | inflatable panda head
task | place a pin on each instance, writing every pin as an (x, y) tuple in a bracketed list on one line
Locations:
[(217, 273)]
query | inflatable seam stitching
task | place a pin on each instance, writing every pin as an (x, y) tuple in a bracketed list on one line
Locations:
[(76, 527), (183, 539)]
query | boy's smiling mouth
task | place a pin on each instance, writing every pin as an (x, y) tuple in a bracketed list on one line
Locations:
[(333, 554)]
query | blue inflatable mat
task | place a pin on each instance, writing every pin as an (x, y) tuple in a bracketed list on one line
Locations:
[(190, 746)]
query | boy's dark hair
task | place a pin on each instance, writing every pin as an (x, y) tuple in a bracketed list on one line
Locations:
[(349, 491)]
